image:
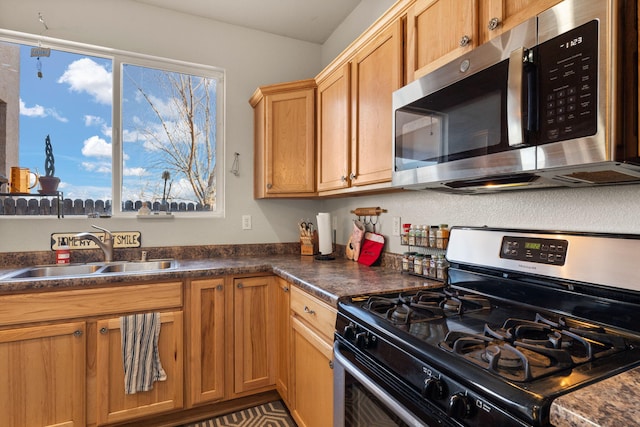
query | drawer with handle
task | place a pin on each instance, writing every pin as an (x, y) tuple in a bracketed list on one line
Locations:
[(314, 312)]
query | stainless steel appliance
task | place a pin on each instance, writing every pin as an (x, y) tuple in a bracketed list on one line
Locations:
[(526, 316), (552, 102)]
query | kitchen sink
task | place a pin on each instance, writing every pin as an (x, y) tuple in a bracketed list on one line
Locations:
[(135, 266), (92, 269), (54, 271)]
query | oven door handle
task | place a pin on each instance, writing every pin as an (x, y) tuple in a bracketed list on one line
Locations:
[(384, 397)]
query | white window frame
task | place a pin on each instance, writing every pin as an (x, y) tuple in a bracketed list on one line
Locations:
[(118, 58)]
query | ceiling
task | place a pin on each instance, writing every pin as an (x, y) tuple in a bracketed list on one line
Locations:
[(308, 20)]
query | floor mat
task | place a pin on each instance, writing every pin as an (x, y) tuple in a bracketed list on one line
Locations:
[(272, 414)]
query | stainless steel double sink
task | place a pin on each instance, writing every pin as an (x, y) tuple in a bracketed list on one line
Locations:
[(90, 269)]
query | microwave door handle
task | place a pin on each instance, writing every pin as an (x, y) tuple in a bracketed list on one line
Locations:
[(514, 98)]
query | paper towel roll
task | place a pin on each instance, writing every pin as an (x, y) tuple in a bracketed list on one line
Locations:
[(325, 242)]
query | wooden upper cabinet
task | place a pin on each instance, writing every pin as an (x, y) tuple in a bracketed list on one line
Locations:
[(497, 16), (333, 117), (376, 72), (284, 138), (354, 114), (439, 31)]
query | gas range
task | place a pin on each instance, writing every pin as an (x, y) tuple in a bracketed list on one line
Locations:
[(498, 343)]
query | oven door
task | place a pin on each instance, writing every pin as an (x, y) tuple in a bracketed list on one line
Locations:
[(366, 395)]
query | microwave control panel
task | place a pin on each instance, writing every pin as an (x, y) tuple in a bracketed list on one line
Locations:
[(532, 249), (567, 72)]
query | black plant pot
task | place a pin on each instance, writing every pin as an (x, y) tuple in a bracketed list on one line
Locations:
[(48, 184)]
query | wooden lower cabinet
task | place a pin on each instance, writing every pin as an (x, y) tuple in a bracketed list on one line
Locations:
[(283, 339), (113, 405), (311, 394), (205, 332), (254, 333), (42, 375)]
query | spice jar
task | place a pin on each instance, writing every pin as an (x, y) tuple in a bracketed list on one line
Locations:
[(433, 231), (412, 236), (442, 236), (417, 264), (405, 261), (441, 268), (432, 266), (426, 265), (404, 237)]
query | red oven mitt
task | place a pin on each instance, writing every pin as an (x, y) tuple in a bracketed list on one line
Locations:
[(371, 248)]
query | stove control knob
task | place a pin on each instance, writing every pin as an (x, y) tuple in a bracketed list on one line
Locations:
[(350, 331), (460, 407), (434, 389), (362, 339)]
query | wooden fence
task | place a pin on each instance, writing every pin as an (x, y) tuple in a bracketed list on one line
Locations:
[(59, 206)]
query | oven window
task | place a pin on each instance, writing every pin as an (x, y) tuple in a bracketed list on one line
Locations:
[(362, 409)]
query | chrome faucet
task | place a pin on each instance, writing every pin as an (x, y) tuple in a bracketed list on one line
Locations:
[(106, 245)]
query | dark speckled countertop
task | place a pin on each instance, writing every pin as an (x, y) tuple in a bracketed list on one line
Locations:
[(328, 280), (612, 402)]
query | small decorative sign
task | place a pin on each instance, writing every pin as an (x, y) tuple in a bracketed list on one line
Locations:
[(121, 239)]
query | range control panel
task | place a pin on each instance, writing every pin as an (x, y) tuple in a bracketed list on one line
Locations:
[(532, 249)]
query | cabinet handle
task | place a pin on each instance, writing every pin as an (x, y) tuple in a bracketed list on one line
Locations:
[(352, 176), (286, 289), (493, 24), (77, 333), (308, 310), (219, 288), (464, 41), (331, 364), (343, 178), (269, 186), (104, 330), (240, 285)]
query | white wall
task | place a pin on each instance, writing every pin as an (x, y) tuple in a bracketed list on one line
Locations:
[(250, 58)]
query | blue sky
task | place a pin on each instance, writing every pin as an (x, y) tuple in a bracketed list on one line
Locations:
[(72, 103)]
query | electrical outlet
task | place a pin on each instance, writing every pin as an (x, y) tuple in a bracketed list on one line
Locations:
[(246, 222), (396, 226)]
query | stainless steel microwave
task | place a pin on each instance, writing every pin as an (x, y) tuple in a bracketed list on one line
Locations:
[(551, 102)]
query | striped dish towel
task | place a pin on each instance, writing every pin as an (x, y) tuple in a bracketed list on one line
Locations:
[(142, 367)]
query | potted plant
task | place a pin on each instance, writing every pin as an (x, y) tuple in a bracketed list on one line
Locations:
[(49, 182)]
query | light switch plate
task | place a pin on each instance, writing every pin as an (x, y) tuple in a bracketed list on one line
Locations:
[(396, 226), (246, 222)]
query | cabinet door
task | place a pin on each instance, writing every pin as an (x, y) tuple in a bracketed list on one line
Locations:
[(333, 130), (376, 73), (313, 377), (254, 333), (437, 32), (497, 16), (205, 340), (42, 371), (283, 338), (113, 405), (290, 142)]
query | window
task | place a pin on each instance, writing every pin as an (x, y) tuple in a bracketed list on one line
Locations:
[(157, 138)]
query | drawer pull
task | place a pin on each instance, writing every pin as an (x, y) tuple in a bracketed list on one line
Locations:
[(286, 289), (103, 330), (219, 288), (240, 286), (308, 310), (77, 333)]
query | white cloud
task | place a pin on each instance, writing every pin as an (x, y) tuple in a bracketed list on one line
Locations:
[(40, 111), (85, 75), (98, 167), (134, 171), (93, 120), (96, 147)]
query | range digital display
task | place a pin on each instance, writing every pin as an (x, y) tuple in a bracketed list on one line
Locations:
[(531, 249)]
